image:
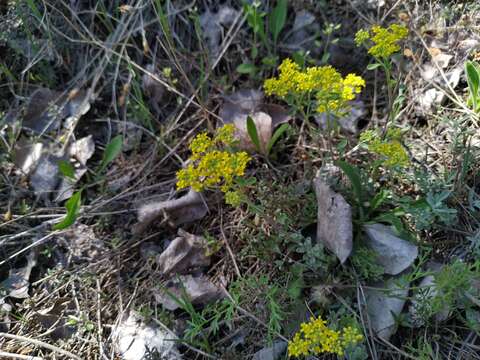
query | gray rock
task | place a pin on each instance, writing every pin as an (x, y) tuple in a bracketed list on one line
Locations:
[(271, 353), (334, 228), (383, 301), (393, 253)]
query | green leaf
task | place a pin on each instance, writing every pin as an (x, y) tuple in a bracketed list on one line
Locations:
[(353, 175), (246, 68), (378, 199), (277, 19), (276, 136), (66, 169), (325, 58), (73, 206), (299, 57), (473, 80), (373, 66), (254, 52), (392, 218), (253, 133), (112, 150)]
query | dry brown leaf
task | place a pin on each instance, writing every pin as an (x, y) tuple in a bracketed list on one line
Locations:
[(263, 124), (199, 291), (185, 252), (52, 319), (27, 154), (82, 149), (17, 283), (244, 103), (152, 88), (213, 23), (45, 178), (47, 108), (241, 102), (187, 208), (135, 340), (43, 111), (334, 228), (82, 243)]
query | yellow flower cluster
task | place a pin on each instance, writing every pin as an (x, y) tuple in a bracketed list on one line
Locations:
[(233, 198), (383, 41), (315, 338), (210, 164), (390, 149), (332, 91)]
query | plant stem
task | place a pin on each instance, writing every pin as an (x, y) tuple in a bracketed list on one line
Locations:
[(386, 67)]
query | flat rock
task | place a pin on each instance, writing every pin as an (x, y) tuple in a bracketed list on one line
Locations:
[(393, 253), (383, 301), (334, 227)]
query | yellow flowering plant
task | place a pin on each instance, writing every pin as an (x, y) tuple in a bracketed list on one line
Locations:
[(215, 164), (390, 150), (323, 86), (382, 43), (315, 338)]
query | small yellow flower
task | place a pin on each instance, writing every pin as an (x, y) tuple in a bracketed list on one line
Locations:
[(361, 37), (210, 165), (226, 134), (384, 41), (315, 338), (233, 198), (389, 149), (332, 92)]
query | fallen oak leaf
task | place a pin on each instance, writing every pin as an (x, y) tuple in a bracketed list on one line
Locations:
[(27, 154), (185, 252), (17, 283), (247, 104), (187, 208), (197, 290), (135, 340)]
